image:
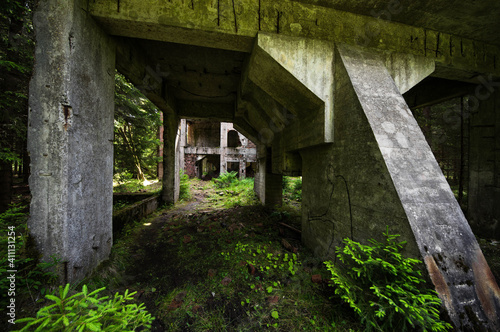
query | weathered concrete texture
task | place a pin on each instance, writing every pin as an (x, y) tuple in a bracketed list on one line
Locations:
[(267, 185), (306, 67), (135, 212), (173, 158), (484, 162), (347, 190), (445, 240), (203, 133), (232, 25), (235, 148), (70, 138)]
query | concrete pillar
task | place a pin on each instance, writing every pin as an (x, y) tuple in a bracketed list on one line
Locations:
[(173, 158), (222, 147), (267, 185), (484, 163), (70, 138)]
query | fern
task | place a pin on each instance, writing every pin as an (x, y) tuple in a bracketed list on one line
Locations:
[(384, 288)]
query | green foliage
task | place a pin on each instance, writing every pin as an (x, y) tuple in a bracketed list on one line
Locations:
[(32, 277), (292, 188), (87, 311), (225, 179), (184, 193), (16, 61), (136, 131), (129, 186), (272, 265), (384, 288), (237, 193)]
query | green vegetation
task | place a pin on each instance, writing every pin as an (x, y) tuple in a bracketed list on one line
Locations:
[(137, 122), (384, 288), (33, 278), (230, 192), (16, 63), (222, 269), (226, 179), (229, 269), (292, 188), (86, 311), (185, 192)]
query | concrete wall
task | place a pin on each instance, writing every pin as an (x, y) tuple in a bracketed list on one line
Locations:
[(70, 138), (203, 133), (484, 163)]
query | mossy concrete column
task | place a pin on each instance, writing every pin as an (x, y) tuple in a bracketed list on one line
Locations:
[(171, 157), (70, 138)]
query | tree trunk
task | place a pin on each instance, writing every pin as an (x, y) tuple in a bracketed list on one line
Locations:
[(5, 185)]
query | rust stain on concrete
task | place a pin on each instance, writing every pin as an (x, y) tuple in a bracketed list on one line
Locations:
[(486, 287), (439, 282)]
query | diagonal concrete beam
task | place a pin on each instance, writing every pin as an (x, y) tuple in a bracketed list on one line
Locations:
[(444, 238)]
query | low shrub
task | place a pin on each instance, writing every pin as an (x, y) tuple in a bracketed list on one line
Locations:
[(225, 179), (384, 288), (86, 311)]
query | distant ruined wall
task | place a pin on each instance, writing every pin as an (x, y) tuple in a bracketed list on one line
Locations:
[(70, 138), (484, 164), (190, 165)]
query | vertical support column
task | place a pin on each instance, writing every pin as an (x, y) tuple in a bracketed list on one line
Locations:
[(171, 158), (70, 138), (267, 185), (223, 146), (484, 165), (159, 169)]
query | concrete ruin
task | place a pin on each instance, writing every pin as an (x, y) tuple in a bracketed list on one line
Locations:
[(323, 90), (212, 147)]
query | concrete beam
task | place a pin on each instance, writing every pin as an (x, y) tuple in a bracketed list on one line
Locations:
[(201, 110), (407, 70), (201, 150), (233, 25), (445, 240), (297, 73), (436, 90), (241, 125), (70, 138), (138, 69)]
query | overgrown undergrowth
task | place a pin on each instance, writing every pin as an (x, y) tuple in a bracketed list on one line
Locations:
[(219, 261), (224, 266)]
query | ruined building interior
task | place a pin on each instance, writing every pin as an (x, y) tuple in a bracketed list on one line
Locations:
[(212, 147), (323, 89)]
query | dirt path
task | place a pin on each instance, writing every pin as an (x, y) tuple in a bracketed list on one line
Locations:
[(182, 247)]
